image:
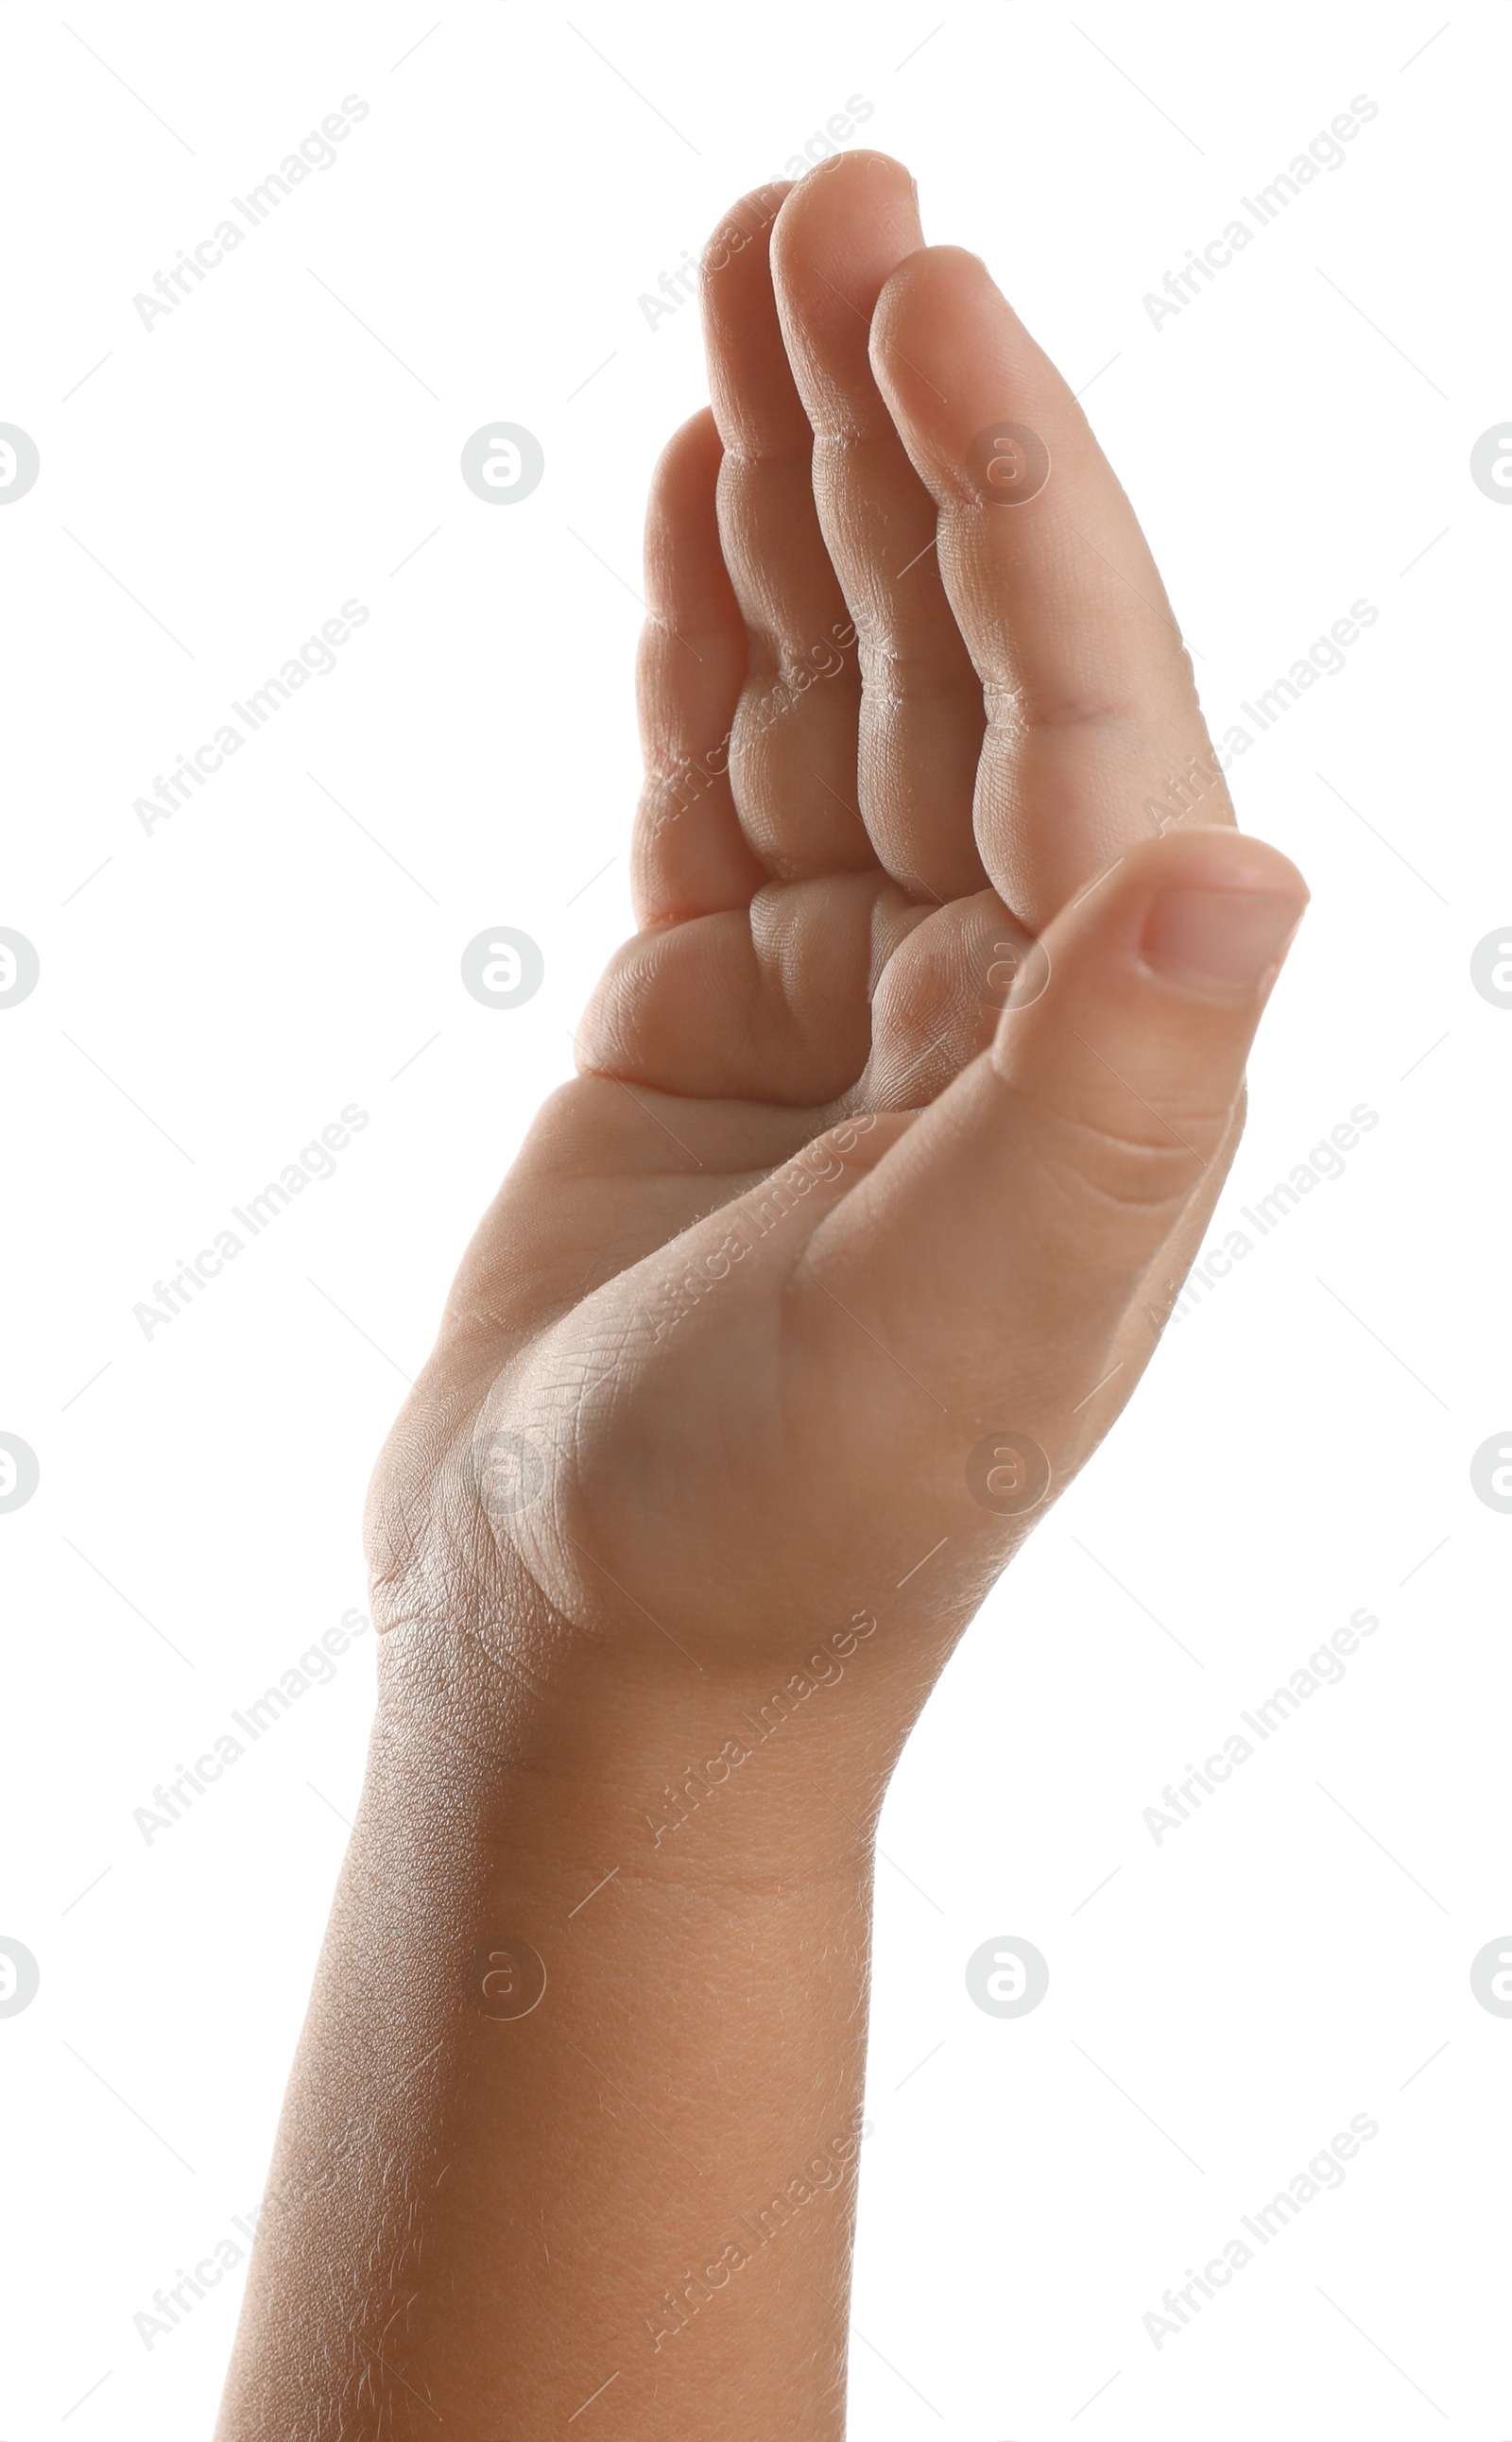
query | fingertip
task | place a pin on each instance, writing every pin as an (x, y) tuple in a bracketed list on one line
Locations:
[(862, 159), (756, 403), (746, 219), (1206, 915), (1211, 856), (862, 207), (1222, 915), (941, 328), (936, 275), (681, 531), (838, 237), (688, 454), (1228, 940)]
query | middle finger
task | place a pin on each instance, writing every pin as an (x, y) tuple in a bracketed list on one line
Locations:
[(838, 237)]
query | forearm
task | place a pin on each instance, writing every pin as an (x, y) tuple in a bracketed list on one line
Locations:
[(646, 2181)]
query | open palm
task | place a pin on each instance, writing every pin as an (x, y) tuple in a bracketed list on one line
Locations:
[(898, 1118)]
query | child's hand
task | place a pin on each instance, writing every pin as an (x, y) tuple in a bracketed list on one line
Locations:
[(900, 1118)]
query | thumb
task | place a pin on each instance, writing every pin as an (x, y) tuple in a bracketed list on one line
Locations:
[(996, 1249)]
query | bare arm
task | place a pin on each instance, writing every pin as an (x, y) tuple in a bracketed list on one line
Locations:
[(897, 1121)]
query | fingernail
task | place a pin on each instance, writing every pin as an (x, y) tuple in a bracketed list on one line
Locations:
[(1233, 938)]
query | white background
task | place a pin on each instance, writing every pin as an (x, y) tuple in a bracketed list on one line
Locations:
[(212, 995)]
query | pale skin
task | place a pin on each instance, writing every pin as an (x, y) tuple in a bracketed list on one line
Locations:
[(852, 1185)]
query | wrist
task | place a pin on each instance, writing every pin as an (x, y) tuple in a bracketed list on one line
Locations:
[(522, 1998), (751, 1770), (713, 1798)]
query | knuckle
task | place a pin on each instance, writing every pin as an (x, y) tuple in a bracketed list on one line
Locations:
[(1152, 1167)]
